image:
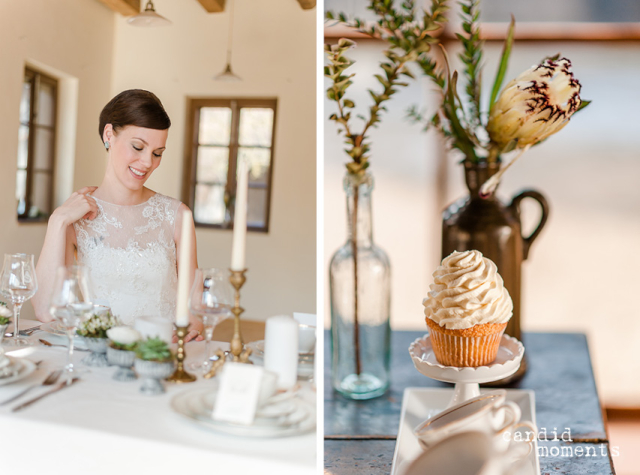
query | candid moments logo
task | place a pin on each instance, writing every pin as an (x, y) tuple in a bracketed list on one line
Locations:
[(567, 448)]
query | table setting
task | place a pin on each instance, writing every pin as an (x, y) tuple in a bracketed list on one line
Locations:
[(86, 384), (131, 420)]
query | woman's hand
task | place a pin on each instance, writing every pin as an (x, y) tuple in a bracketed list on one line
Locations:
[(192, 335), (78, 206)]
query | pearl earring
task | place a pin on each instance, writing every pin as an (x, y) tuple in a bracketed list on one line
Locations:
[(107, 145)]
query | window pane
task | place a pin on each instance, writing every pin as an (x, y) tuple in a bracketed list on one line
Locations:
[(46, 102), (215, 125), (23, 146), (256, 126), (257, 207), (21, 187), (43, 154), (213, 164), (259, 160), (25, 102), (41, 195), (209, 204)]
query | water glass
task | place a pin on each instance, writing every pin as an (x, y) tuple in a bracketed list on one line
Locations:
[(71, 303), (210, 301), (18, 284)]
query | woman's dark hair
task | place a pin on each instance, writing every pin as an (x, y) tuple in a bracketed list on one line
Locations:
[(134, 107)]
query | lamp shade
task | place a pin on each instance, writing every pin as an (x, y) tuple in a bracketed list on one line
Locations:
[(148, 17), (227, 75)]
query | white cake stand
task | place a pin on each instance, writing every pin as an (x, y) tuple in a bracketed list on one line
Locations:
[(467, 379)]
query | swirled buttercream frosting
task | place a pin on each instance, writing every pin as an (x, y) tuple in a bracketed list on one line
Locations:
[(467, 291)]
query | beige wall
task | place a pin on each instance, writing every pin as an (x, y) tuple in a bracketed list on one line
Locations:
[(179, 62), (86, 40), (75, 39)]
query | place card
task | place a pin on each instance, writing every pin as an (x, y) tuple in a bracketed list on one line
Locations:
[(238, 393)]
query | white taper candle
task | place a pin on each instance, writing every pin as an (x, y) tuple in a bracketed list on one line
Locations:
[(184, 278), (240, 219)]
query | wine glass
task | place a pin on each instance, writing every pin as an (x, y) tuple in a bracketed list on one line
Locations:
[(18, 283), (71, 303), (210, 301)]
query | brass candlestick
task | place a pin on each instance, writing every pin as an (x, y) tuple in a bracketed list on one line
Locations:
[(239, 354), (238, 279), (180, 375)]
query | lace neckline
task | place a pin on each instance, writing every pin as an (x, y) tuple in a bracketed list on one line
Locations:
[(126, 206)]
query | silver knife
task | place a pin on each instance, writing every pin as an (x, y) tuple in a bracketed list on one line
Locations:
[(26, 332), (60, 386)]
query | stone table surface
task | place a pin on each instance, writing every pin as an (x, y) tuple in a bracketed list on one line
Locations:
[(360, 435)]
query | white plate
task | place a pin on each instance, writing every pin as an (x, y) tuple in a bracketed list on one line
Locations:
[(58, 336), (258, 349), (201, 403), (196, 404), (419, 404), (305, 360), (23, 369), (54, 328)]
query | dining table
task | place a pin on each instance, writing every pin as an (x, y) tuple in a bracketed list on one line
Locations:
[(360, 436), (102, 426)]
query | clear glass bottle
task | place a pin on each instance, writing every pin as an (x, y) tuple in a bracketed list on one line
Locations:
[(360, 307)]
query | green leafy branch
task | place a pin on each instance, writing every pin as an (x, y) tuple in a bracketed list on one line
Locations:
[(471, 56), (410, 40), (393, 69)]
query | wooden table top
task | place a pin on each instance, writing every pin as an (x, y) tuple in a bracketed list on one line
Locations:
[(251, 330), (360, 435)]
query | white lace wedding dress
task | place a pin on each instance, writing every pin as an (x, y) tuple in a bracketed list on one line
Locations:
[(131, 257)]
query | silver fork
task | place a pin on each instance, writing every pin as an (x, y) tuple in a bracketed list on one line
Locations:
[(51, 379)]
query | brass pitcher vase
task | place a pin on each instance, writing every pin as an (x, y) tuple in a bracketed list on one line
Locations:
[(494, 229)]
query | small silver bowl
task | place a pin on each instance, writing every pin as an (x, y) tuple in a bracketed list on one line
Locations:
[(124, 359), (151, 373), (98, 355)]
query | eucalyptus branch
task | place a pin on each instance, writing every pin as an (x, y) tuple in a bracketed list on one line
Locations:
[(393, 69), (471, 56)]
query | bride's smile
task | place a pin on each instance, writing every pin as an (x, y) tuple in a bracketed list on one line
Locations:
[(135, 153)]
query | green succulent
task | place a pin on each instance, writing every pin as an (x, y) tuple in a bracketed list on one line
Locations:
[(153, 349), (119, 346), (4, 320)]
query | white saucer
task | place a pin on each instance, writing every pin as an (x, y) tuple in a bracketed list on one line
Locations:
[(21, 369)]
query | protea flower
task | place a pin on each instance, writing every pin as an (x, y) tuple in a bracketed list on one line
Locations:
[(535, 105)]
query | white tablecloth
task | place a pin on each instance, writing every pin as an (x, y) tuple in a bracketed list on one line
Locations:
[(102, 426)]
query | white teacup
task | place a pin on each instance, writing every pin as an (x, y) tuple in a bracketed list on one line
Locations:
[(306, 338), (487, 413), (503, 439), (468, 453)]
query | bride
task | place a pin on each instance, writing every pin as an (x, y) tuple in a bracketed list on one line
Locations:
[(127, 235)]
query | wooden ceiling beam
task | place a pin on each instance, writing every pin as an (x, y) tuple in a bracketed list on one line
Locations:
[(307, 4), (212, 6), (124, 7)]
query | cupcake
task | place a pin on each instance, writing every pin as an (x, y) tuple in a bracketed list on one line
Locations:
[(467, 310)]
